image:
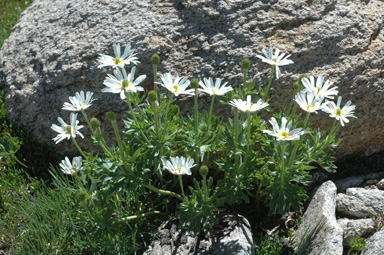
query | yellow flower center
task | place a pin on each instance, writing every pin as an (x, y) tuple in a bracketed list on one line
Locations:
[(284, 134), (179, 168), (274, 60), (125, 84), (338, 112), (310, 106), (117, 60), (68, 130), (318, 90), (176, 88)]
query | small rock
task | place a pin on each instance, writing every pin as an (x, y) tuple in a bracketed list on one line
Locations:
[(319, 225), (380, 184), (374, 245), (355, 228), (231, 237)]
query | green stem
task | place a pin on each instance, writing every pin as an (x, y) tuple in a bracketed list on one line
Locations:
[(78, 147), (102, 143), (291, 104), (210, 112), (205, 187), (265, 93), (166, 115), (134, 117), (155, 78), (236, 138), (244, 83), (156, 117), (181, 185), (18, 161), (163, 192), (195, 113), (249, 120), (293, 155), (134, 217), (114, 124), (282, 163)]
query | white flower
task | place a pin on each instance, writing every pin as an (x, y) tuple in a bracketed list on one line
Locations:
[(177, 86), (283, 133), (71, 168), (79, 102), (119, 60), (123, 82), (340, 114), (179, 165), (214, 89), (65, 130), (321, 88), (308, 101), (275, 59), (248, 106)]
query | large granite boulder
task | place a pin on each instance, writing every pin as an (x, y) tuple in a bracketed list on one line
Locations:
[(52, 53)]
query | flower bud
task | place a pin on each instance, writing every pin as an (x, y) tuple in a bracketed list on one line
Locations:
[(81, 196), (111, 116), (155, 59), (95, 123), (203, 170), (236, 96), (194, 83), (296, 85), (152, 96), (245, 64)]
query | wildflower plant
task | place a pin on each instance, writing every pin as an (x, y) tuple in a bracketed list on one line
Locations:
[(202, 162)]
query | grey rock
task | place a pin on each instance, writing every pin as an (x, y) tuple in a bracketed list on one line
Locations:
[(374, 245), (355, 228), (52, 50), (319, 226), (360, 202), (355, 181), (380, 184), (234, 237)]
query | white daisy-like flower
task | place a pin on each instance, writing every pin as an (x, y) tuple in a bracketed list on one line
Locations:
[(79, 102), (65, 130), (309, 101), (177, 86), (179, 165), (276, 59), (283, 133), (248, 106), (119, 60), (123, 82), (71, 168), (214, 89), (341, 114), (321, 88)]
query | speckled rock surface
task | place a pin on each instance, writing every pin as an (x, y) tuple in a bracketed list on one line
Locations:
[(319, 223), (52, 51)]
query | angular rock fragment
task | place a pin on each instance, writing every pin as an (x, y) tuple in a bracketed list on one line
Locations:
[(319, 228)]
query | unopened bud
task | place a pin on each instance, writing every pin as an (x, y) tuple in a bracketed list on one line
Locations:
[(155, 59), (203, 170), (111, 116), (296, 85), (194, 83), (95, 123), (81, 196), (152, 96), (301, 77), (245, 64)]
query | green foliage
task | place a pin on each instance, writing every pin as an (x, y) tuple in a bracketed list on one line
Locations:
[(264, 245), (9, 14), (357, 245)]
